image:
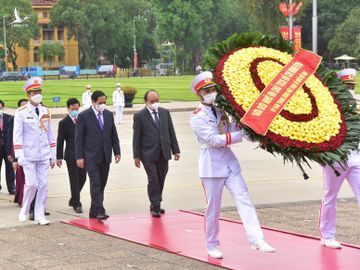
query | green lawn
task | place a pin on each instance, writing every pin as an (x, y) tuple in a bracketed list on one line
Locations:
[(169, 88)]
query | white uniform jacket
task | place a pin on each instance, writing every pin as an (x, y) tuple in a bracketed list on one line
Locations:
[(86, 100), (33, 136), (216, 157), (118, 98)]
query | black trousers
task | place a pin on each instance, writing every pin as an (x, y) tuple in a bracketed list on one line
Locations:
[(10, 174), (77, 179), (98, 175), (156, 172)]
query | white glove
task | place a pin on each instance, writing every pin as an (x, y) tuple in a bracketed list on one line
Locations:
[(21, 161)]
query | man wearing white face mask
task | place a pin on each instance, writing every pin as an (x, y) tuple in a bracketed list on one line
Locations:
[(118, 102), (95, 138), (34, 148), (219, 167), (154, 140), (66, 133)]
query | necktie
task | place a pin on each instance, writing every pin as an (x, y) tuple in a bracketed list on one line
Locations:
[(157, 121), (37, 111), (75, 121), (100, 121), (214, 111)]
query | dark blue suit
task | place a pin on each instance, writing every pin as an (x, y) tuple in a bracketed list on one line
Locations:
[(6, 150), (95, 146)]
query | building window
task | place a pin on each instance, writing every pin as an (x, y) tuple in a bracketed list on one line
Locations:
[(36, 55), (60, 33), (61, 58), (47, 33), (45, 15)]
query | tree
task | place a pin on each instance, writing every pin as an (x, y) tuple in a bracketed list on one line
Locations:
[(346, 38), (49, 51), (18, 35), (101, 29)]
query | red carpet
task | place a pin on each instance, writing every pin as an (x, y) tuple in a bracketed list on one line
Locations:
[(183, 233)]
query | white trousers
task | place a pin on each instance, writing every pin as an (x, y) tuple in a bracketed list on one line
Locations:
[(213, 188), (118, 114), (332, 185), (36, 173)]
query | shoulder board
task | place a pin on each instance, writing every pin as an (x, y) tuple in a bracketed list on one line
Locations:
[(21, 108), (196, 111)]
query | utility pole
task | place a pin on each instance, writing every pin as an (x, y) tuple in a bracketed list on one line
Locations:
[(314, 28)]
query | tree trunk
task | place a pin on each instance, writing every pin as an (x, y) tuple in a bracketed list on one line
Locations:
[(12, 56)]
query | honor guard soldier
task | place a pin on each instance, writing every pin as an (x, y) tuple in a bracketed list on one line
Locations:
[(333, 183), (86, 97), (219, 167), (34, 147), (118, 102)]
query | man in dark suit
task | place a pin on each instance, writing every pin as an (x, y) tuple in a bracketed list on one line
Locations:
[(154, 140), (95, 138), (4, 125), (66, 132)]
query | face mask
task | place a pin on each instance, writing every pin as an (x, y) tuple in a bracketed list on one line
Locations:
[(209, 98), (100, 107), (154, 106), (118, 89), (36, 98), (74, 113)]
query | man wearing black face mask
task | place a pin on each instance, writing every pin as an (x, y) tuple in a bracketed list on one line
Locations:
[(34, 148), (95, 138), (154, 141)]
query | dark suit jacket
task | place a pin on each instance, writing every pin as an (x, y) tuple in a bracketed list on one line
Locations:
[(93, 144), (4, 133), (149, 141), (9, 136), (66, 132)]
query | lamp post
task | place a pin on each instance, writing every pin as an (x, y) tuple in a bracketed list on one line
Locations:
[(314, 27), (134, 37), (115, 56), (290, 21), (5, 46)]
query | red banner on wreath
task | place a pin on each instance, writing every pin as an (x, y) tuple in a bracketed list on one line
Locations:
[(296, 35), (280, 90)]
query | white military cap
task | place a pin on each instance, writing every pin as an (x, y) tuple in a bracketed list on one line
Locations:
[(118, 84), (348, 75), (88, 86), (34, 83), (202, 80)]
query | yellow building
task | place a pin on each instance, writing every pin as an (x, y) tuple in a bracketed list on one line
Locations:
[(32, 57)]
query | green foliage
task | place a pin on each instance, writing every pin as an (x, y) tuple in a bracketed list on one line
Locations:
[(18, 35), (129, 90), (51, 50), (335, 85)]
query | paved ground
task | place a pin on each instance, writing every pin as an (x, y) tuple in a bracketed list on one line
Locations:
[(64, 247)]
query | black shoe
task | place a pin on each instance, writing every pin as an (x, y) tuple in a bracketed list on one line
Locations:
[(78, 209), (162, 211), (12, 192), (102, 217), (31, 216), (91, 215), (46, 213), (71, 204), (155, 214)]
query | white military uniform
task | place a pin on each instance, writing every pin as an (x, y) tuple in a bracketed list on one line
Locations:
[(332, 183), (118, 102), (86, 99), (219, 167), (34, 146)]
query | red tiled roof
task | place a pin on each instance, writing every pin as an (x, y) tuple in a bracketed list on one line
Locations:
[(43, 2)]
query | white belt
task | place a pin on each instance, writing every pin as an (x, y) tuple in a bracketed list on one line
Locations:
[(208, 146)]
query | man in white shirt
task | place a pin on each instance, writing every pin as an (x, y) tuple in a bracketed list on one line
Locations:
[(118, 102), (86, 97)]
